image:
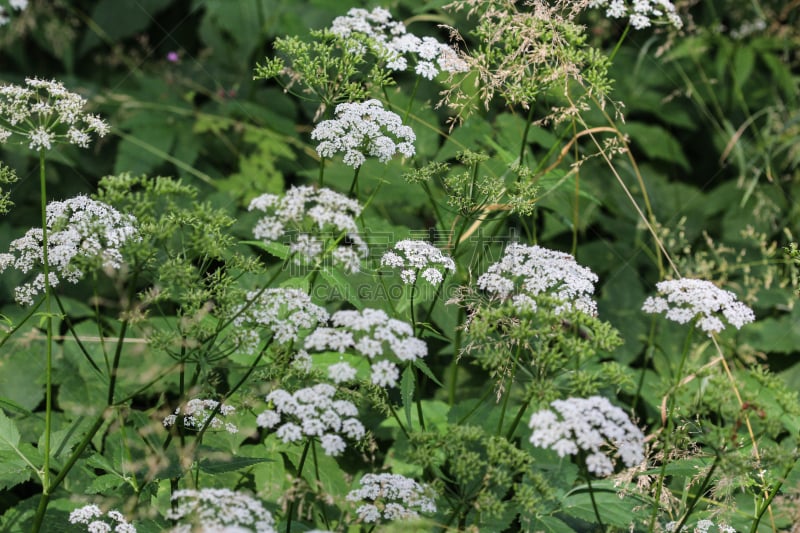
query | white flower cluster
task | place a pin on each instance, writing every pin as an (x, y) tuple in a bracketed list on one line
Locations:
[(391, 42), (591, 425), (196, 413), (18, 5), (368, 332), (418, 256), (358, 132), (314, 221), (279, 312), (391, 497), (527, 271), (81, 232), (95, 520), (685, 299), (45, 112), (218, 510), (702, 526), (641, 13), (312, 412)]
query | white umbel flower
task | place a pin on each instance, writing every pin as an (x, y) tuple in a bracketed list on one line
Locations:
[(590, 425), (390, 41), (279, 313), (641, 13), (43, 112), (363, 129), (82, 233), (532, 270), (411, 257), (218, 510), (312, 412), (312, 222), (96, 521), (370, 332), (197, 413), (685, 299), (391, 497)]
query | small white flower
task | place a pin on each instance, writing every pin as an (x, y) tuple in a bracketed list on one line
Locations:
[(686, 299), (532, 270), (341, 372), (592, 425), (385, 374), (219, 510), (399, 497), (87, 514), (82, 233), (198, 413), (412, 256), (642, 13), (360, 129), (313, 412)]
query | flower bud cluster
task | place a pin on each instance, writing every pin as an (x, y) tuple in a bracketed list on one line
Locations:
[(369, 333), (391, 497), (418, 256), (592, 426), (390, 41), (314, 221), (527, 271), (218, 510), (642, 13), (280, 313), (97, 522), (685, 299), (362, 129), (81, 233), (196, 414), (44, 112), (312, 412)]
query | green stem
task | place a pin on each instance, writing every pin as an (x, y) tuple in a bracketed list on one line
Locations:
[(524, 143), (507, 395), (48, 421), (27, 317), (594, 503), (299, 475), (515, 422), (45, 499), (619, 43), (698, 494), (353, 186)]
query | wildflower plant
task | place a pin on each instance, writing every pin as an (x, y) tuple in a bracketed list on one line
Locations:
[(418, 257), (198, 414), (97, 521), (219, 510), (641, 13), (317, 225), (386, 497)]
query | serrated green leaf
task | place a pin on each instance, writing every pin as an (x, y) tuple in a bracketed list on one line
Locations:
[(104, 483), (13, 470), (427, 371)]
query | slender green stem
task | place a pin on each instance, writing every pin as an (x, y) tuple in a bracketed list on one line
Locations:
[(397, 418), (774, 492), (524, 143), (515, 422), (619, 43), (48, 421), (507, 394), (699, 494), (594, 503), (290, 512), (27, 317), (667, 430), (353, 193), (73, 458)]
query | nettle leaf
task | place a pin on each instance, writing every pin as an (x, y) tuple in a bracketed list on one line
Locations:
[(105, 483), (614, 511), (15, 458)]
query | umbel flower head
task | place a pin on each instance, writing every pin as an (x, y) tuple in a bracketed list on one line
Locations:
[(314, 221), (702, 526), (592, 426), (363, 129), (687, 299), (17, 5), (369, 333), (279, 313), (197, 412), (412, 257), (640, 13), (218, 510), (44, 113), (390, 41), (98, 522), (82, 233), (312, 412), (527, 271), (391, 497)]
